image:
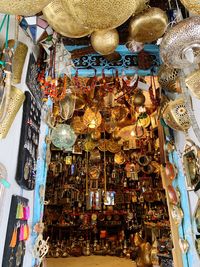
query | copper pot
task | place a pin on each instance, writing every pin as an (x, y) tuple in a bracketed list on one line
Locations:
[(173, 196), (96, 135), (170, 171)]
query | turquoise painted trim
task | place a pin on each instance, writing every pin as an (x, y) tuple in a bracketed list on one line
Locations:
[(191, 258), (123, 50), (40, 180)]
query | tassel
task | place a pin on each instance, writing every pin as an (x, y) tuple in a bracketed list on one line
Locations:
[(21, 233), (17, 212), (13, 241), (26, 232), (21, 211)]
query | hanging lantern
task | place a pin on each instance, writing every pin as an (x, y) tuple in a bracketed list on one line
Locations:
[(192, 5), (35, 27), (63, 136), (62, 20), (148, 26), (193, 81), (92, 119), (139, 99), (168, 79), (105, 42), (22, 7), (176, 116), (18, 60), (180, 46), (101, 15)]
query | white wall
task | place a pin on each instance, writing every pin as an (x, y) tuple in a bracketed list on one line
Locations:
[(9, 151), (180, 140)]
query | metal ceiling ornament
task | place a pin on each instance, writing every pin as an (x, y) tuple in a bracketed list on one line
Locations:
[(35, 27), (62, 20), (105, 41), (19, 57), (22, 7), (92, 119), (148, 26), (189, 107), (180, 46), (193, 83), (176, 116), (101, 15), (192, 5), (168, 79)]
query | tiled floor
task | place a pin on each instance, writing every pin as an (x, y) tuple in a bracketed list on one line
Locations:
[(90, 261)]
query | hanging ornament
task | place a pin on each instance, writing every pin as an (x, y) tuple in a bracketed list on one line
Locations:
[(40, 248), (105, 42), (101, 15), (168, 79), (35, 27), (192, 5), (193, 81), (48, 42), (176, 116), (20, 52), (22, 7), (180, 46), (139, 98), (134, 46), (148, 26), (67, 105), (63, 61), (92, 119), (62, 20), (63, 136)]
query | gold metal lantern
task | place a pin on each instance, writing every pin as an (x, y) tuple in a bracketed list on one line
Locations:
[(168, 79), (16, 99), (18, 60), (101, 15), (92, 119), (192, 5), (62, 21), (193, 83), (176, 116), (22, 7), (148, 26), (105, 42)]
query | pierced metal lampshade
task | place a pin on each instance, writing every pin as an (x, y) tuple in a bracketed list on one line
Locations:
[(101, 15), (92, 119), (18, 60), (180, 47), (62, 20), (192, 5), (168, 79), (176, 116), (148, 26), (193, 83), (22, 7)]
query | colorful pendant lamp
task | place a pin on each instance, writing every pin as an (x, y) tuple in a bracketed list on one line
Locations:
[(36, 28)]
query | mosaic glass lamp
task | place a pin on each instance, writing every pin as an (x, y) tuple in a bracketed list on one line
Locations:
[(35, 27), (63, 136)]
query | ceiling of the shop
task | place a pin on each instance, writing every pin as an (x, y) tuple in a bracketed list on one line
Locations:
[(123, 29)]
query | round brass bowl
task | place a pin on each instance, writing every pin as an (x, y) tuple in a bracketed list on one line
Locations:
[(120, 158)]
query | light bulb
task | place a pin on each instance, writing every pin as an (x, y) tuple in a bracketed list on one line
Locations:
[(133, 133), (92, 124)]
